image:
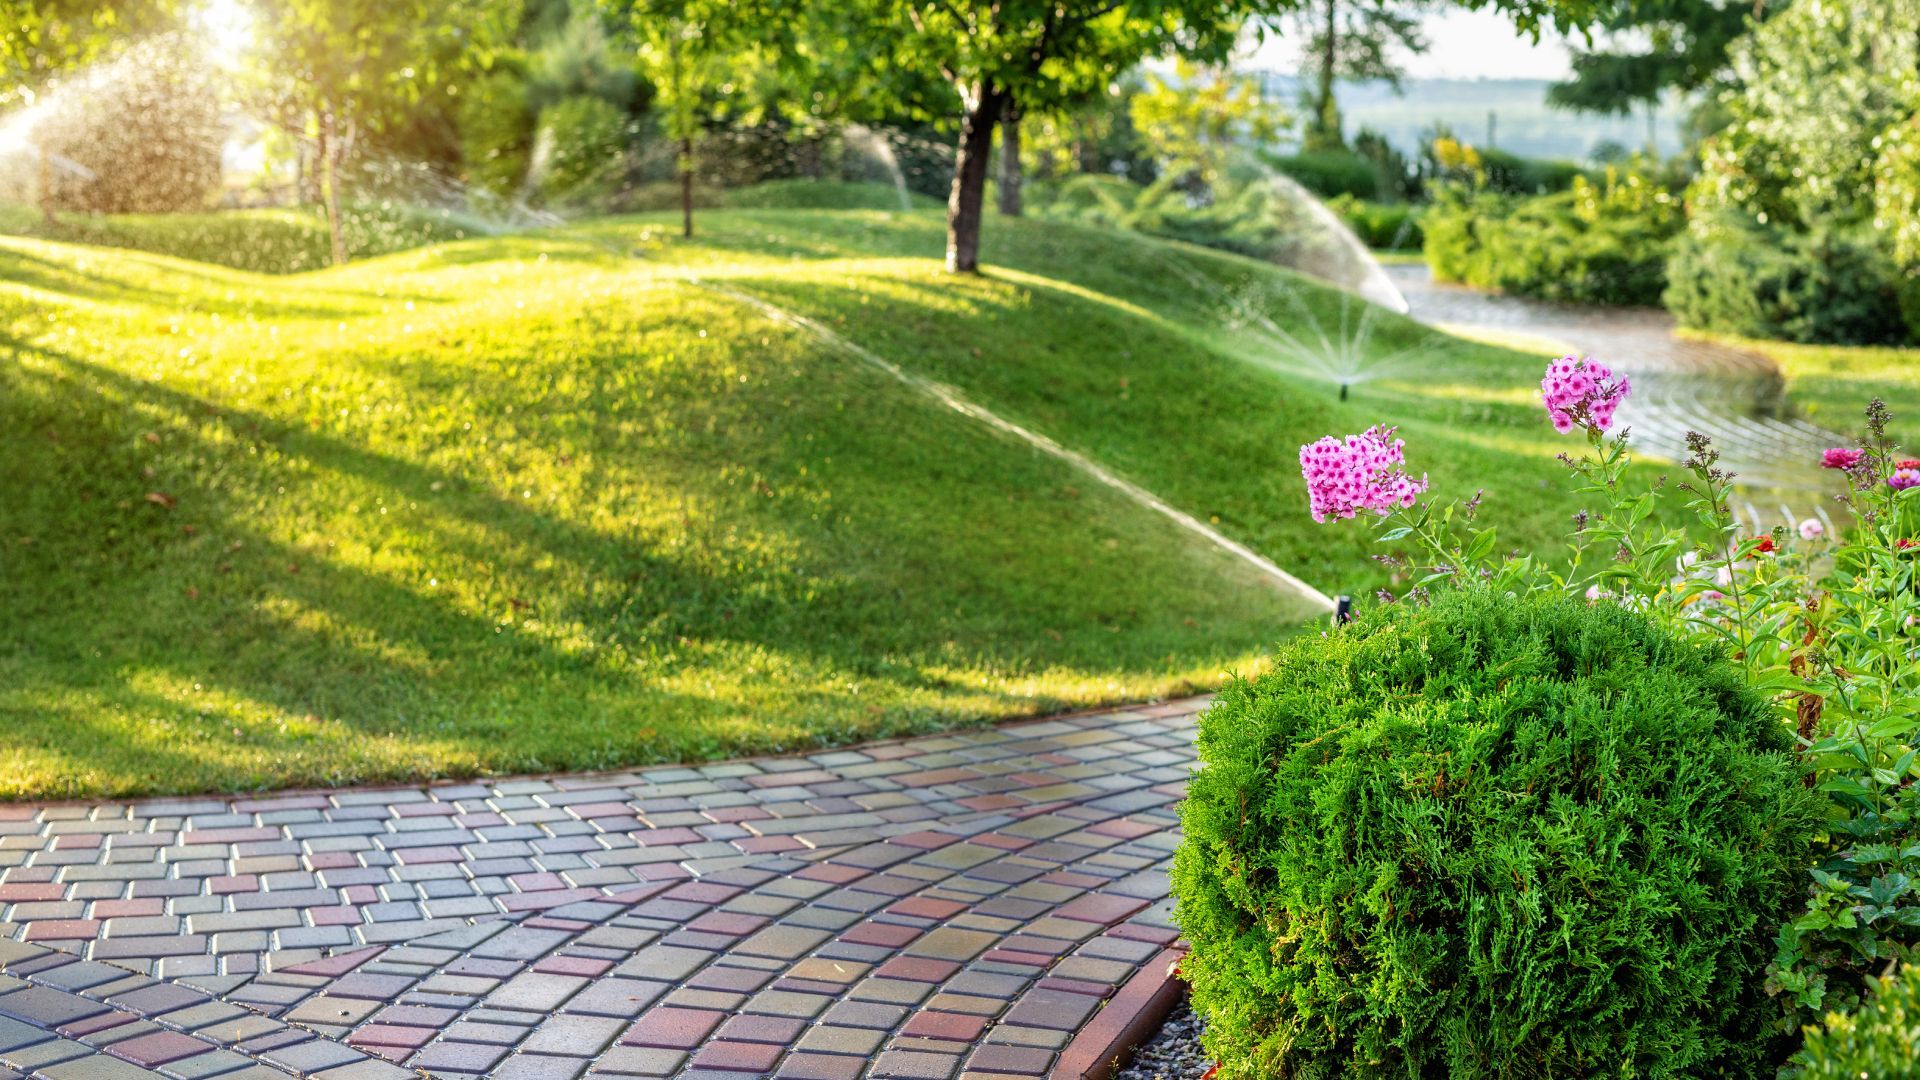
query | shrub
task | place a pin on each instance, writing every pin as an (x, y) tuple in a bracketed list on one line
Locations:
[(1391, 226), (1738, 278), (1512, 174), (1496, 836), (496, 132), (577, 153), (1327, 173), (822, 195), (1878, 1041), (1601, 243)]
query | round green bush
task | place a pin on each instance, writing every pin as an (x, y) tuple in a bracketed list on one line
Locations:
[(1879, 1041), (1738, 278), (1493, 837)]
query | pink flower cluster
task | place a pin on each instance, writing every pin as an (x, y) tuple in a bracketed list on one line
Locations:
[(1580, 392), (1361, 472)]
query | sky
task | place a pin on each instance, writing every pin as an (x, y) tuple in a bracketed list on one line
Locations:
[(1461, 45)]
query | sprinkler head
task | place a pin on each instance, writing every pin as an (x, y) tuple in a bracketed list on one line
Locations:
[(1343, 391)]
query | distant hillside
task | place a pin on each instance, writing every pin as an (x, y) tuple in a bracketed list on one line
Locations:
[(1523, 123)]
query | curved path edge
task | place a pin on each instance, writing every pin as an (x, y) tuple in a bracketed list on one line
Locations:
[(988, 904)]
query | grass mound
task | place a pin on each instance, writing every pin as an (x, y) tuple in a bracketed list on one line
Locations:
[(275, 241), (549, 502)]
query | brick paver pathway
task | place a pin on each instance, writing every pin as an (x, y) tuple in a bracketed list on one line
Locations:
[(955, 906)]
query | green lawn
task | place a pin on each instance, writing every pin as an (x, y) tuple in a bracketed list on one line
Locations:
[(1830, 384), (272, 241), (548, 502)]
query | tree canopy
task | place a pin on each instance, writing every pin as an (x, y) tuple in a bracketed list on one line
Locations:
[(40, 38), (1656, 46)]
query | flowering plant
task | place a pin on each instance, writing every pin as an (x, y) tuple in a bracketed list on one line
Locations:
[(1827, 626), (1361, 472)]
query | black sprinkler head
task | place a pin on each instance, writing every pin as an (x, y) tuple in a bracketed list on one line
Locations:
[(1343, 391)]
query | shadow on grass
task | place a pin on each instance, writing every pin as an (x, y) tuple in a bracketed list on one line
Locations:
[(301, 633), (214, 293)]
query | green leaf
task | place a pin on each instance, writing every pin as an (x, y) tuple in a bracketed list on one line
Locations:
[(1482, 544)]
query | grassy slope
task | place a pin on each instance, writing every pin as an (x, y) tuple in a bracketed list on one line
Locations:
[(524, 503), (1135, 351), (272, 241)]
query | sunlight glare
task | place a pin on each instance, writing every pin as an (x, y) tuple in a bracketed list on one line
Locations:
[(228, 25)]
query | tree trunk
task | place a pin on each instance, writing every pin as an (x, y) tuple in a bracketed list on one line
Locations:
[(1010, 165), (328, 148), (970, 161), (686, 186), (46, 184), (1325, 124)]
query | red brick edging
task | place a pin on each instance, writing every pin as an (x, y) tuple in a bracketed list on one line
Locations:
[(1139, 1007)]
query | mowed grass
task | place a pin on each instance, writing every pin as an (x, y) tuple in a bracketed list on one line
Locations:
[(549, 502), (270, 241), (1148, 356)]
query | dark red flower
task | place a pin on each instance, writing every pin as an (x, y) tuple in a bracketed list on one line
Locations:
[(1763, 546)]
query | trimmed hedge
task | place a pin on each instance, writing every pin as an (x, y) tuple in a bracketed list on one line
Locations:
[(1328, 173), (1879, 1041), (1737, 278), (1491, 837)]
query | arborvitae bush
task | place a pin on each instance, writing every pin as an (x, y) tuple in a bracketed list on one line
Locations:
[(1739, 278), (1493, 837), (1879, 1041)]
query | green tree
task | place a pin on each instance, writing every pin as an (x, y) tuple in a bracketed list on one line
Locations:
[(1815, 94), (692, 50), (1043, 54), (990, 55), (328, 71), (1656, 46), (1351, 39), (42, 39), (39, 39), (1192, 122)]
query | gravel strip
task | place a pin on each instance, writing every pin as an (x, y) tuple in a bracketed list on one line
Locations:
[(1172, 1053)]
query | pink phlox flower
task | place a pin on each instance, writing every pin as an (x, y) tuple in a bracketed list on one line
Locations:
[(1361, 472), (1581, 392)]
